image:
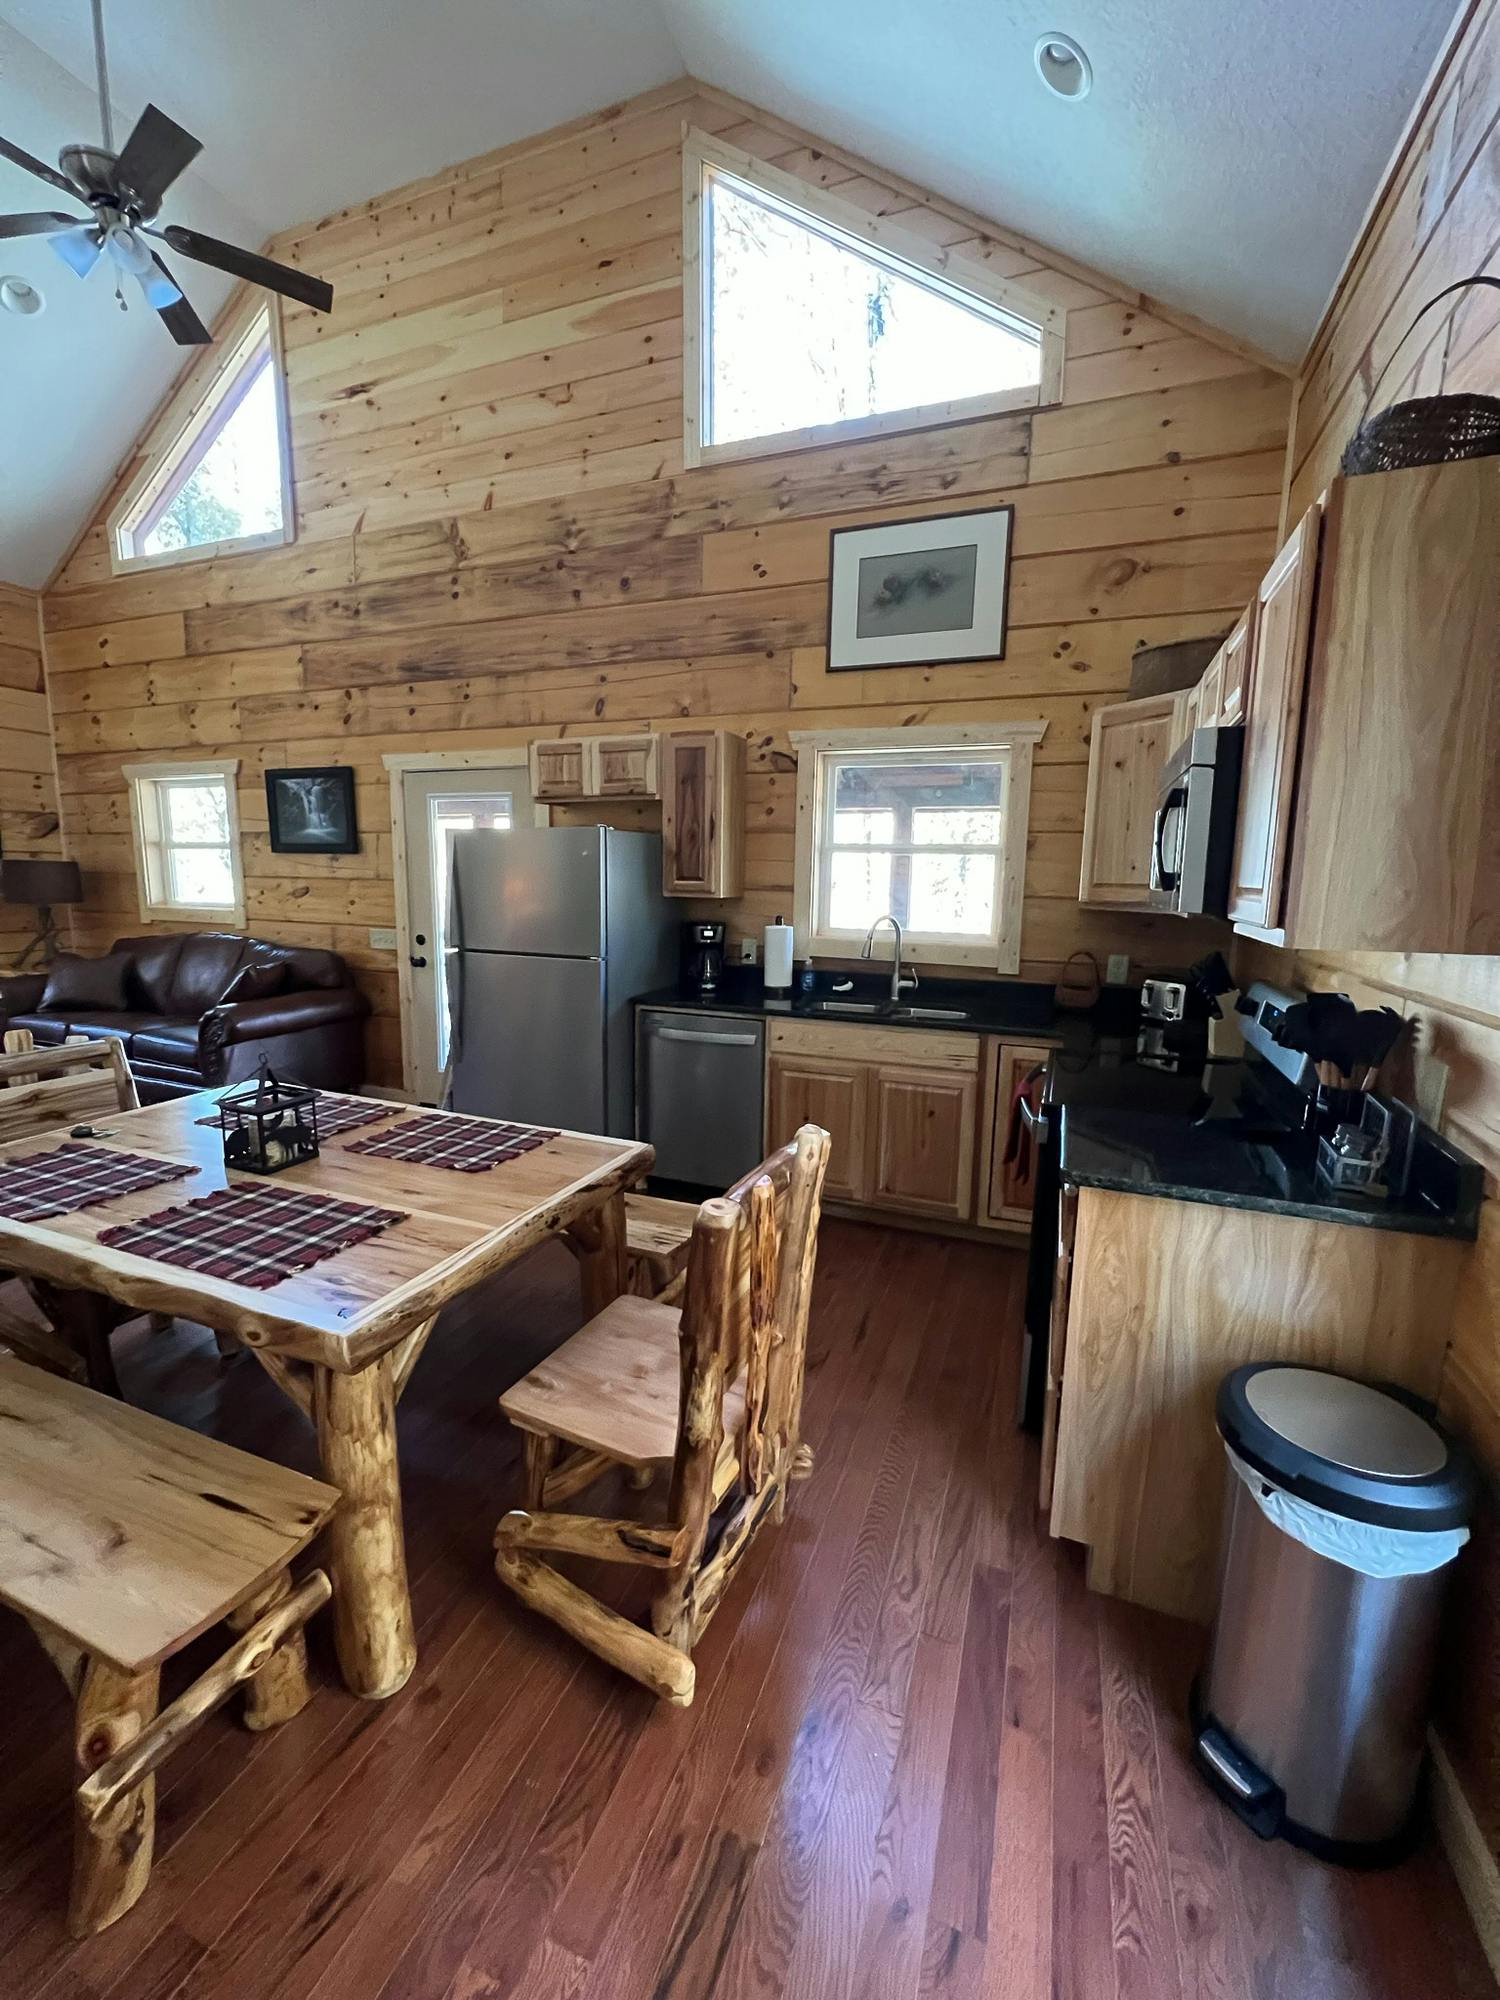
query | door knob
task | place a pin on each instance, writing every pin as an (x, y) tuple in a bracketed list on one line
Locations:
[(418, 962)]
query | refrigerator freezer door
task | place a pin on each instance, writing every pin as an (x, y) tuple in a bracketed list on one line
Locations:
[(530, 889), (528, 1040)]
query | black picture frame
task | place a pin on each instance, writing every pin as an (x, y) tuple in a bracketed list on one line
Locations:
[(992, 535), (311, 810)]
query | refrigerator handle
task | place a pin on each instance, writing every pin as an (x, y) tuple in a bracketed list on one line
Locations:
[(455, 986)]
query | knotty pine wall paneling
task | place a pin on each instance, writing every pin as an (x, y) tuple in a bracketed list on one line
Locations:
[(1436, 220), (28, 782), (497, 538)]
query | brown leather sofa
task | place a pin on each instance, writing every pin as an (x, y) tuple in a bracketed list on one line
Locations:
[(200, 1009)]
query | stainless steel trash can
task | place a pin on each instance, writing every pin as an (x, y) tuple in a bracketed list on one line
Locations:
[(1345, 1508)]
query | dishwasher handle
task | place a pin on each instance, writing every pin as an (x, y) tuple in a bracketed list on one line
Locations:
[(718, 1041)]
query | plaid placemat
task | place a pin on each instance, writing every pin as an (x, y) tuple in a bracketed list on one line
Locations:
[(251, 1235), (337, 1114), (35, 1185), (448, 1139)]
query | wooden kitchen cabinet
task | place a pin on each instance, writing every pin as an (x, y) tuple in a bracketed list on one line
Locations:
[(922, 1145), (1130, 743), (900, 1104), (559, 769), (1162, 1299), (566, 768), (1003, 1200), (703, 813), (824, 1091), (1282, 631), (1233, 661)]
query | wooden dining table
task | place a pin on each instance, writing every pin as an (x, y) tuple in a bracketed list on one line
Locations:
[(342, 1337)]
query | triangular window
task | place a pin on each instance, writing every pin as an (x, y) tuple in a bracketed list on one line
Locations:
[(815, 321), (217, 483)]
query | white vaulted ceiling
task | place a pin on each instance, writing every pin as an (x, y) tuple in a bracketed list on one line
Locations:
[(1222, 160)]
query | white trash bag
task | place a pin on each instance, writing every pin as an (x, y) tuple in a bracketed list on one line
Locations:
[(1358, 1545)]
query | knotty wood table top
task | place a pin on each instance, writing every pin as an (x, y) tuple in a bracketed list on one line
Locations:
[(129, 1534), (344, 1312)]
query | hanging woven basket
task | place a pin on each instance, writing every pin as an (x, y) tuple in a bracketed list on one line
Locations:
[(1426, 430)]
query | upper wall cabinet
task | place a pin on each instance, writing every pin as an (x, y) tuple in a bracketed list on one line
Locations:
[(703, 813), (1130, 743), (1282, 622), (593, 767), (1395, 822)]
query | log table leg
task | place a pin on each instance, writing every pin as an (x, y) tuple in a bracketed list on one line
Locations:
[(85, 1320), (601, 1255), (356, 1417), (281, 1689), (111, 1854)]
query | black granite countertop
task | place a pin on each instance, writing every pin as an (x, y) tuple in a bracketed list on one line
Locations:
[(988, 1007), (1251, 1162)]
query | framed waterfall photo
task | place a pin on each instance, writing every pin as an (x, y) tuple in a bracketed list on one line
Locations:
[(312, 812), (921, 592)]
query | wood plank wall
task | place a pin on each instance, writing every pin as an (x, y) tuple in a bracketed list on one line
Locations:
[(1438, 219), (498, 539), (28, 781)]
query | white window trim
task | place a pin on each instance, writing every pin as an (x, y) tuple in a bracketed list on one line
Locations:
[(1014, 742), (177, 430), (700, 154), (146, 836)]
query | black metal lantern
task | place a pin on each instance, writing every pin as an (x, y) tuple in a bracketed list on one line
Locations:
[(268, 1124)]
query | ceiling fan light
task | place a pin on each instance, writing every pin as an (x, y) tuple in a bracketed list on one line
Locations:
[(1063, 66), (16, 296)]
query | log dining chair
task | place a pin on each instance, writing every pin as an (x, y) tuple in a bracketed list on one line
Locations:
[(74, 1083), (713, 1389)]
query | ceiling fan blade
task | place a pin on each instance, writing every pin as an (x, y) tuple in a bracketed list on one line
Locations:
[(155, 154), (245, 264), (21, 158), (179, 318), (78, 248), (43, 224)]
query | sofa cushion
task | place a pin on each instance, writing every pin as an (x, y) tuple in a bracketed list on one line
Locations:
[(257, 979), (153, 961), (108, 1027), (174, 1043), (205, 969), (47, 1030), (95, 983)]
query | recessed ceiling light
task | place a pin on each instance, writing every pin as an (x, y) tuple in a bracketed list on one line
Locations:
[(16, 296), (1063, 66)]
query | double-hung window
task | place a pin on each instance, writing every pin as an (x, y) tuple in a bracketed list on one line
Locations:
[(187, 839), (925, 825)]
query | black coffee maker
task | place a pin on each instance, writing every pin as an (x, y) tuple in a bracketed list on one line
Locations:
[(702, 957)]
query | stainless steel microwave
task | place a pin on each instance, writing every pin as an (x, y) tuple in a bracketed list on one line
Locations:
[(1192, 841)]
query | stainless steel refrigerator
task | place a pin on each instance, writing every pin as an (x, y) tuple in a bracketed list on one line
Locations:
[(553, 932)]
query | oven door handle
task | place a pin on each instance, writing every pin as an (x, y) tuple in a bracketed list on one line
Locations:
[(1163, 877), (1034, 1121)]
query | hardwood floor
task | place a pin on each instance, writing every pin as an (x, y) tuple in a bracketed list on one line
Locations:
[(923, 1760)]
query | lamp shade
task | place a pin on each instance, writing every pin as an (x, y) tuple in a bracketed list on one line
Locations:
[(41, 882)]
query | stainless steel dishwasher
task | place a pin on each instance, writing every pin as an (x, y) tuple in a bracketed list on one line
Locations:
[(700, 1080)]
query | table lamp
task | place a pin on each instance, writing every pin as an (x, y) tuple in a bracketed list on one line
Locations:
[(43, 884)]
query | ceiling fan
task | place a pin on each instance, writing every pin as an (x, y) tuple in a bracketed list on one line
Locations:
[(123, 193)]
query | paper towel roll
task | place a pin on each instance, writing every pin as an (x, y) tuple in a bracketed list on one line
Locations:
[(779, 939)]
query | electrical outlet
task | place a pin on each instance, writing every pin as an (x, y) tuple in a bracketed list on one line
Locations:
[(382, 940), (749, 951), (1117, 971)]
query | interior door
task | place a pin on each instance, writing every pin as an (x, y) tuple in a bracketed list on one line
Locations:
[(438, 804)]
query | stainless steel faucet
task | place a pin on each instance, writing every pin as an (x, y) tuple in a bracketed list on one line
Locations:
[(900, 982)]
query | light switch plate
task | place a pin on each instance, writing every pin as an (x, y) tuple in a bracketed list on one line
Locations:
[(382, 940), (1117, 971)]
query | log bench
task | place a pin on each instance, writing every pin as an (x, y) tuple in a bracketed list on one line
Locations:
[(657, 1234), (122, 1539)]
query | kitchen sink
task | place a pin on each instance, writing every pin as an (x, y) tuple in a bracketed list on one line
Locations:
[(882, 1010)]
